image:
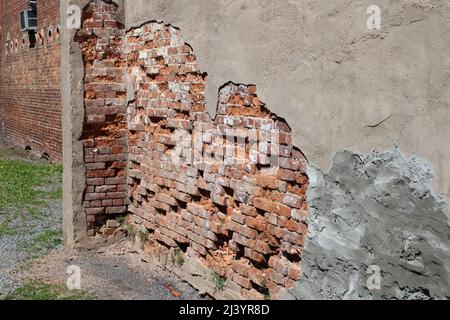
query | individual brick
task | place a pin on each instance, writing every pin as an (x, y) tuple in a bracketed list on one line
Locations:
[(276, 277), (293, 201), (258, 223), (164, 198), (116, 210), (294, 272), (242, 281)]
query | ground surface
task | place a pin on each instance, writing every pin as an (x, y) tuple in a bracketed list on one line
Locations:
[(33, 262)]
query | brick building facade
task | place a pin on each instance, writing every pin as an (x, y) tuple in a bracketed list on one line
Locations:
[(205, 197), (250, 231), (30, 102)]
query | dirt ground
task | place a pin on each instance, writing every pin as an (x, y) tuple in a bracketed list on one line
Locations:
[(33, 261), (112, 273)]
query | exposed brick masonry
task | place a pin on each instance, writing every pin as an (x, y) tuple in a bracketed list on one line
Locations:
[(246, 223), (244, 219), (105, 127)]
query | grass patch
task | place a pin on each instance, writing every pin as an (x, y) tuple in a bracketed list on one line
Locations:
[(131, 233), (219, 281), (49, 239), (178, 258), (34, 212), (6, 229), (45, 291), (121, 218), (142, 236), (265, 291), (57, 194), (19, 182)]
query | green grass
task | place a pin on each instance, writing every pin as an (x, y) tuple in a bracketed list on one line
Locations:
[(34, 212), (121, 218), (19, 182), (6, 229), (57, 194), (219, 281), (131, 233), (49, 239), (44, 242), (178, 258), (265, 291), (45, 291)]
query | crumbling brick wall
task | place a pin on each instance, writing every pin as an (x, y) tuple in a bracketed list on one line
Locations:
[(30, 106), (233, 199), (228, 191), (105, 127)]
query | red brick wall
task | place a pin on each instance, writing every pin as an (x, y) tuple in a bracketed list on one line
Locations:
[(229, 190), (30, 107), (105, 124)]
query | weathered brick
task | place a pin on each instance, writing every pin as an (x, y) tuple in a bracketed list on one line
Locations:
[(293, 200), (279, 264), (253, 255), (294, 272), (103, 188), (259, 223), (115, 210), (164, 198), (243, 240), (94, 196), (276, 277), (199, 210), (248, 210), (95, 211), (95, 182), (263, 247), (242, 281)]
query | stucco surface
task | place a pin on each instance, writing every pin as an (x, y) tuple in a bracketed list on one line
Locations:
[(377, 211), (340, 85)]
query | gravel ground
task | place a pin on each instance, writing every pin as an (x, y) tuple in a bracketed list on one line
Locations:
[(23, 243), (31, 250), (17, 249)]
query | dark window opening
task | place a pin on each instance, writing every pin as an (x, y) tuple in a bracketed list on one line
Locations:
[(28, 22)]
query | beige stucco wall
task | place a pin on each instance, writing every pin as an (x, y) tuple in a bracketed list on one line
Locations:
[(318, 65)]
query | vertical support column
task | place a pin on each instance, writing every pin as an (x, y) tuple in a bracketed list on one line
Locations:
[(74, 217)]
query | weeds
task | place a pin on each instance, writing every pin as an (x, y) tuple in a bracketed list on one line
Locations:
[(219, 281), (130, 231), (45, 291), (6, 229), (178, 258), (121, 218), (265, 291), (49, 239)]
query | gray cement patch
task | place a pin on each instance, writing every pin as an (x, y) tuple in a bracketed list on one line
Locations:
[(376, 211)]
